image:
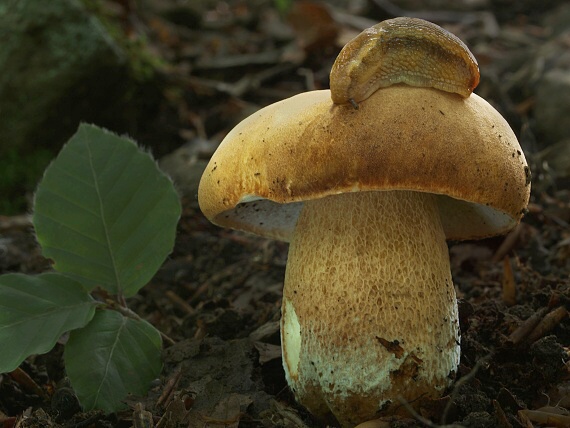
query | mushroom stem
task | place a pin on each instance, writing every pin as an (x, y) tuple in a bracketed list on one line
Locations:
[(369, 310)]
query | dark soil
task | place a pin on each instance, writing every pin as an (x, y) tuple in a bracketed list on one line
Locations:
[(218, 296)]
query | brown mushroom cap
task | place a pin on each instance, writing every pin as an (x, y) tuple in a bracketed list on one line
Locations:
[(401, 138)]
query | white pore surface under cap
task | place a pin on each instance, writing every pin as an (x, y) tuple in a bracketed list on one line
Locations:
[(278, 220)]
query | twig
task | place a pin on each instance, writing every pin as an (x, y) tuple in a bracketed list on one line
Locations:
[(527, 327), (173, 380), (547, 418), (180, 302), (423, 420), (132, 314), (551, 320), (435, 15), (18, 222), (26, 382), (509, 287), (374, 423), (142, 418), (229, 270), (508, 243), (501, 416), (462, 382), (487, 19)]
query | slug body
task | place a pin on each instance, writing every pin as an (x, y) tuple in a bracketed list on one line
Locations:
[(402, 50)]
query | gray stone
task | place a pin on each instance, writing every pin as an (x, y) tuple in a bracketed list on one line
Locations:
[(58, 66), (552, 71), (555, 159), (552, 109), (185, 167)]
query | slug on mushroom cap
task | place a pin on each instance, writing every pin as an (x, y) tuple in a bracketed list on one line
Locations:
[(402, 50), (367, 199)]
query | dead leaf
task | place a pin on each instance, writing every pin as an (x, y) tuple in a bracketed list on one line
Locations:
[(267, 352), (313, 24)]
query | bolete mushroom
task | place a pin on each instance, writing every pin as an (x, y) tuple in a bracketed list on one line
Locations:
[(367, 198)]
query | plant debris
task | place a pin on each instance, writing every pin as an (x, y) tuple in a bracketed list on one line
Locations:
[(218, 296)]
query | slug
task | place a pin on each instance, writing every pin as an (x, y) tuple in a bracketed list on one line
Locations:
[(402, 50)]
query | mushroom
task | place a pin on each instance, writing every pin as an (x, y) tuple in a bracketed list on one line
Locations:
[(367, 199)]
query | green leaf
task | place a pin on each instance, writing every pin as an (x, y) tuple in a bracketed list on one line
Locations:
[(105, 213), (35, 311), (110, 358)]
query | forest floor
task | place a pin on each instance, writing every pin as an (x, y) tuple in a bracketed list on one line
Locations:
[(218, 295)]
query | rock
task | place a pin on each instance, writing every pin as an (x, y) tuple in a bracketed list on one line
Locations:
[(553, 105), (185, 167), (552, 66), (556, 158), (58, 66)]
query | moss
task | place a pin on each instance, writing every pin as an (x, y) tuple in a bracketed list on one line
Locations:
[(111, 79), (20, 174), (143, 64)]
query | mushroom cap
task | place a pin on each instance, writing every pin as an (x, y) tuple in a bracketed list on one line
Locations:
[(401, 138)]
